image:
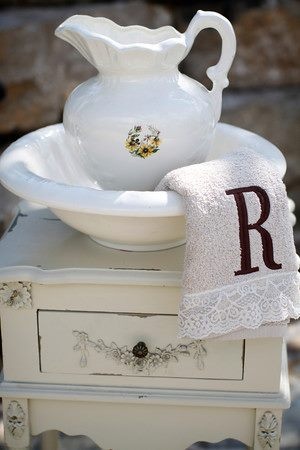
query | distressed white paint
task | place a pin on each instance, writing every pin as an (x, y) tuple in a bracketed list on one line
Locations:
[(132, 300), (58, 341), (220, 400)]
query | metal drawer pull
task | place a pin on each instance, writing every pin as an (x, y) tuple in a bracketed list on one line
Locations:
[(140, 350), (139, 359)]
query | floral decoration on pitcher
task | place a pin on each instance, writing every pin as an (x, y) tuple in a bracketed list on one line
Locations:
[(143, 144)]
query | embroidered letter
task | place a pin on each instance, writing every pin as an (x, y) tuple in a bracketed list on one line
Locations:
[(266, 239)]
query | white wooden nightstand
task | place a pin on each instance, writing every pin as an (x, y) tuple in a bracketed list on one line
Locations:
[(89, 347)]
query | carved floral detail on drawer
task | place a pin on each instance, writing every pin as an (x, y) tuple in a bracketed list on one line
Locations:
[(268, 430), (145, 361), (16, 294), (15, 419)]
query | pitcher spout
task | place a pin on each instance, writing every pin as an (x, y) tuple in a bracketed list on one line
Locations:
[(112, 48)]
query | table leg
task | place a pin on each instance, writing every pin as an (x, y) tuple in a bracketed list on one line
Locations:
[(50, 440)]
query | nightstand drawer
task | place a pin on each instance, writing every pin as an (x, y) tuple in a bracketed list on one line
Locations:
[(96, 343)]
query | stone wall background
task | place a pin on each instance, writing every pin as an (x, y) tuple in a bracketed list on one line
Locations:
[(38, 71)]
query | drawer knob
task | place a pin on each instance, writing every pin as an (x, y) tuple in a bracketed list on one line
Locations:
[(140, 350)]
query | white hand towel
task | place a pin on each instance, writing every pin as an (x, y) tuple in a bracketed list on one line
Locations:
[(241, 268)]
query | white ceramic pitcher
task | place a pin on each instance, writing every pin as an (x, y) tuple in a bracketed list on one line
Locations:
[(140, 117)]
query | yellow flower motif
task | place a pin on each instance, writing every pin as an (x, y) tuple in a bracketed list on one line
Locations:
[(131, 145), (141, 144), (145, 150), (153, 142)]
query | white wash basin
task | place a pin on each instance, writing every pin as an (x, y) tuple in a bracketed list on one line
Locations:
[(40, 168)]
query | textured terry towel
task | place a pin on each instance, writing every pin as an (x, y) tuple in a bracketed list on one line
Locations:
[(241, 268)]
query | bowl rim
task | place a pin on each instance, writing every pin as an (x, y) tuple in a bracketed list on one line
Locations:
[(18, 177)]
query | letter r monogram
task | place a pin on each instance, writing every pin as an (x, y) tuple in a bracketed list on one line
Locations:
[(245, 227)]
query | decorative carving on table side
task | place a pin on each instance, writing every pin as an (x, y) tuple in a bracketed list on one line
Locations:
[(139, 358), (16, 294), (15, 419), (268, 430)]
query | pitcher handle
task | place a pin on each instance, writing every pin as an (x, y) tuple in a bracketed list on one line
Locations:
[(217, 73)]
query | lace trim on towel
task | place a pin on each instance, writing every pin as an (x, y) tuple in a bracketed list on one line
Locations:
[(249, 304)]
